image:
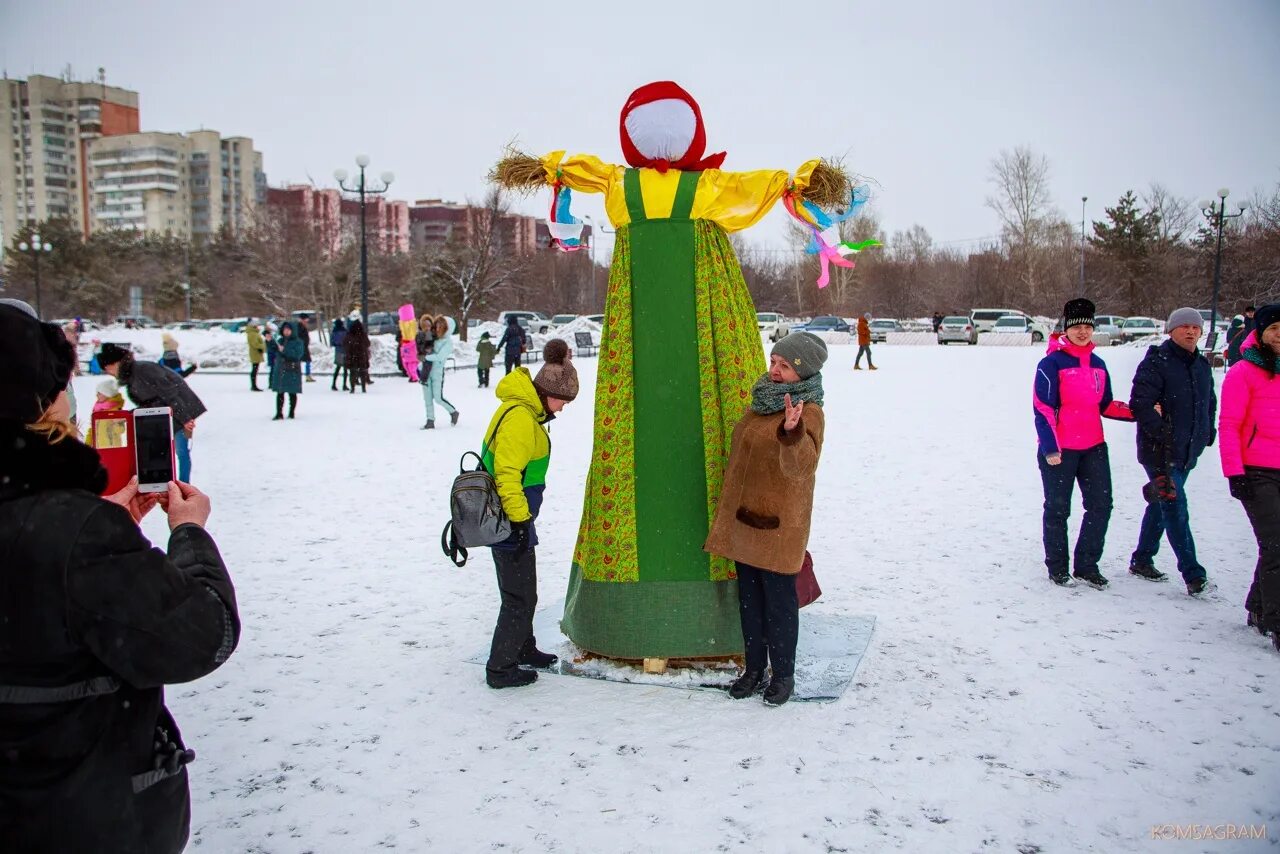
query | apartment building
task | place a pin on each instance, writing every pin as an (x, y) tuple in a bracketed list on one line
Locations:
[(437, 222), (190, 185), (335, 220), (46, 124)]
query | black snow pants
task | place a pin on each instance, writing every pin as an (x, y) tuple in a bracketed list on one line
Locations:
[(1264, 515), (518, 586)]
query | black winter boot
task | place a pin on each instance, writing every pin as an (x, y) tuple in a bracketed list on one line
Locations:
[(1062, 580), (453, 417), (779, 690), (535, 657), (1094, 579), (430, 425), (1147, 571), (513, 678), (747, 684)]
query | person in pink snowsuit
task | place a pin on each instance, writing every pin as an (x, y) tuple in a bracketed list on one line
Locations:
[(1249, 442), (1072, 394)]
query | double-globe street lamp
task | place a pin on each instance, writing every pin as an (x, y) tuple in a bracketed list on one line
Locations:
[(362, 188), (1216, 211), (36, 248)]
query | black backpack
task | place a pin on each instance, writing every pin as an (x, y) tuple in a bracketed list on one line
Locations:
[(476, 514)]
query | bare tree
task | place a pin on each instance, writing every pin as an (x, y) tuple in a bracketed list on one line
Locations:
[(474, 269), (1023, 203), (1177, 214)]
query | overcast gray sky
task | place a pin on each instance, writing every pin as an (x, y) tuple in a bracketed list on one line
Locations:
[(920, 96)]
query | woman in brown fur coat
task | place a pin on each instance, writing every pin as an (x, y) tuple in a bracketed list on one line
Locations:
[(762, 520)]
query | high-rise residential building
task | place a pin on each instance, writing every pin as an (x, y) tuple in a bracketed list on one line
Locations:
[(386, 223), (191, 185), (46, 124)]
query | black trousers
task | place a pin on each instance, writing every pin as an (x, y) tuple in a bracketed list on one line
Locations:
[(253, 374), (1264, 515), (483, 376), (518, 587), (513, 362), (339, 370), (360, 376), (293, 403), (1092, 470), (770, 614)]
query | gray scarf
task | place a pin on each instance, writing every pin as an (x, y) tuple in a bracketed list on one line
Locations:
[(768, 397)]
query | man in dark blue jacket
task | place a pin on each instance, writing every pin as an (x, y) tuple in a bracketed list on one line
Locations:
[(1175, 404)]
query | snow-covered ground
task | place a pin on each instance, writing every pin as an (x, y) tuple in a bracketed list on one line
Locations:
[(993, 710)]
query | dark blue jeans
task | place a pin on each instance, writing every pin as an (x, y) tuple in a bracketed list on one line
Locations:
[(770, 614), (1172, 519), (1092, 470)]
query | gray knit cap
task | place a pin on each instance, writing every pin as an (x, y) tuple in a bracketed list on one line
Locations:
[(1183, 317), (804, 351)]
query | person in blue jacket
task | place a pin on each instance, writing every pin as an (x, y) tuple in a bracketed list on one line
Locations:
[(1175, 405), (513, 341)]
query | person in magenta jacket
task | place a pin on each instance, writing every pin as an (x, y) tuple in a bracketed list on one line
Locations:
[(1249, 437), (1072, 395)]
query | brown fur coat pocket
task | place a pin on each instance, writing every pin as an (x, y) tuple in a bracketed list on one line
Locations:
[(757, 520)]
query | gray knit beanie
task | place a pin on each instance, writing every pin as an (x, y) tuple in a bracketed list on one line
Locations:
[(1183, 317), (804, 351)]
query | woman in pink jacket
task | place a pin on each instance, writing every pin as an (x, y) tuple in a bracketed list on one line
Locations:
[(1072, 393), (1249, 440)]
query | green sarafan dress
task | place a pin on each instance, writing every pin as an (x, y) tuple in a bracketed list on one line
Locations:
[(679, 354)]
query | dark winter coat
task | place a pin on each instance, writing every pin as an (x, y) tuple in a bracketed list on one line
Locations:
[(1237, 332), (357, 347), (514, 339), (336, 340), (485, 351), (94, 621), (286, 373), (422, 342), (1182, 383), (150, 384), (270, 341), (301, 332)]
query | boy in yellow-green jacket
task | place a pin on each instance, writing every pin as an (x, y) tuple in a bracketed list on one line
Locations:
[(517, 452)]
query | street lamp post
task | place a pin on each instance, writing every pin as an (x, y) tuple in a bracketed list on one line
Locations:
[(595, 227), (1216, 211), (36, 247), (363, 189), (1083, 199)]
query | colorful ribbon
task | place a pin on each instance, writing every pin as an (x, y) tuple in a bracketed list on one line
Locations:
[(565, 229), (824, 239)]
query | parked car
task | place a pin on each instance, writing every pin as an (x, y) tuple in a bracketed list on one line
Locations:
[(773, 325), (534, 321), (563, 319), (1021, 324), (1108, 329), (957, 327), (826, 323), (984, 319), (181, 325), (383, 322), (141, 321), (881, 327), (89, 325), (1140, 327), (596, 318)]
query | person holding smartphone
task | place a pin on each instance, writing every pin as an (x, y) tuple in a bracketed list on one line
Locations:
[(94, 622), (151, 384)]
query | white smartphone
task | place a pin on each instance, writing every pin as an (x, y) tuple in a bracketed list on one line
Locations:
[(153, 445)]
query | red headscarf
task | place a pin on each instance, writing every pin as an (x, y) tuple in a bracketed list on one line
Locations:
[(692, 160)]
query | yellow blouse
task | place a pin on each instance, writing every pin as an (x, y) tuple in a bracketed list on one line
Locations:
[(732, 200)]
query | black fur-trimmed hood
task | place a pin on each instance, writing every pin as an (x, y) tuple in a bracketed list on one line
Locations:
[(30, 464)]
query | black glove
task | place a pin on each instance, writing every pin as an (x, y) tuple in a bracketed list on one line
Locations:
[(1160, 488), (520, 530), (1241, 487)]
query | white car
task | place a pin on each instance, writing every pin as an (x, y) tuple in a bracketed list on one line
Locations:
[(1021, 324), (563, 319), (533, 321), (1140, 327), (957, 327), (881, 327), (984, 319), (773, 324), (1107, 329)]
